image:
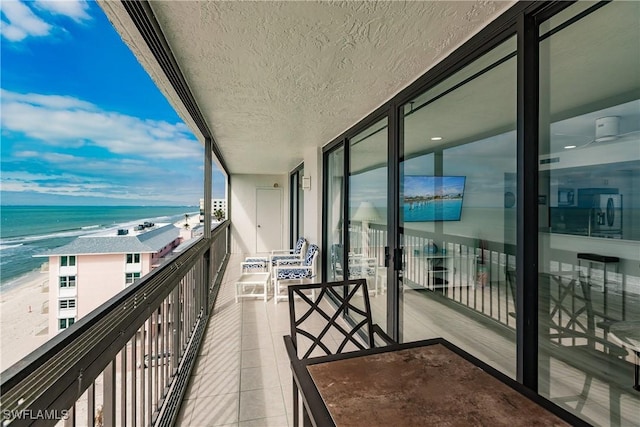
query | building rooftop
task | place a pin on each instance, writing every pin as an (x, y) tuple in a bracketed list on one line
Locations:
[(137, 241)]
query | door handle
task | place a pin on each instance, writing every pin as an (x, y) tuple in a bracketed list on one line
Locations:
[(258, 225), (397, 259)]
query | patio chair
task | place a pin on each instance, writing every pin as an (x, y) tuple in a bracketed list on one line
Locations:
[(288, 269), (365, 268), (289, 256), (335, 321)]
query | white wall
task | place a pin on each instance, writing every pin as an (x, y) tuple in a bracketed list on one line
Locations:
[(242, 197), (313, 202), (313, 197)]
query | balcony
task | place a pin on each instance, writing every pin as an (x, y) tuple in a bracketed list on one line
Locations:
[(173, 349), (176, 349)]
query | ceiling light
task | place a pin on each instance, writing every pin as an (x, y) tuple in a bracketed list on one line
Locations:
[(568, 147), (436, 138)]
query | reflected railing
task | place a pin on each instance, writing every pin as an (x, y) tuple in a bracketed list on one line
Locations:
[(127, 362), (480, 274)]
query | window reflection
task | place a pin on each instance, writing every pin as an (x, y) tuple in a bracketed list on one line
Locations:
[(460, 164), (588, 208), (335, 206)]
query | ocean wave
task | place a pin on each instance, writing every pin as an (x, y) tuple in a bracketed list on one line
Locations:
[(90, 227), (9, 246), (13, 242)]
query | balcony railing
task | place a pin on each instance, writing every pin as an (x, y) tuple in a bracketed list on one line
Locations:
[(477, 273), (127, 362)]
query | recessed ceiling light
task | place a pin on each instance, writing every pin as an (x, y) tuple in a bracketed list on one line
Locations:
[(436, 138), (568, 147)]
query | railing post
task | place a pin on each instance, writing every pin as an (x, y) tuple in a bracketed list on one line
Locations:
[(175, 321), (109, 398), (150, 364), (207, 186), (134, 379), (91, 405), (206, 282), (70, 421), (123, 386)]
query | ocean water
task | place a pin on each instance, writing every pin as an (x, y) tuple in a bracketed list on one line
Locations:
[(29, 230), (437, 210)]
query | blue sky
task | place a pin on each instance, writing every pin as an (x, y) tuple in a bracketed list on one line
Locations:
[(82, 122)]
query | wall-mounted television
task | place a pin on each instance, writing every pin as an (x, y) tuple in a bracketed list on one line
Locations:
[(432, 198)]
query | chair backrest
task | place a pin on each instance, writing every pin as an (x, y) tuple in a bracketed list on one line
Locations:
[(299, 247), (310, 255), (336, 319), (567, 309)]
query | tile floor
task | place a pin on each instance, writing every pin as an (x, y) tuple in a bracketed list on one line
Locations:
[(242, 375)]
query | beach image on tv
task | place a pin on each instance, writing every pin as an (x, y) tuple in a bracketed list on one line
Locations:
[(432, 198)]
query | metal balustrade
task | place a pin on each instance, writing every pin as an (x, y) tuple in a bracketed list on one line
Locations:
[(127, 362), (488, 294), (480, 274), (475, 273)]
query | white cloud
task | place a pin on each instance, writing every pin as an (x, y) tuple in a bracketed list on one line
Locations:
[(70, 122), (74, 9), (19, 21), (53, 101), (65, 184)]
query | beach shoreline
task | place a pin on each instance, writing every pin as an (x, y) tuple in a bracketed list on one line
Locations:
[(24, 311)]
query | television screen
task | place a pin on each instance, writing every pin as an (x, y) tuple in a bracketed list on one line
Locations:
[(432, 198)]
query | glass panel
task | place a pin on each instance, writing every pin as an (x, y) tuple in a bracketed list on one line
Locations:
[(589, 214), (458, 213), (335, 206), (368, 213)]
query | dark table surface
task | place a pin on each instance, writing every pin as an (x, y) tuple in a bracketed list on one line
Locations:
[(414, 384)]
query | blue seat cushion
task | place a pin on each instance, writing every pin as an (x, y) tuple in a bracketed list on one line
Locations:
[(285, 259), (293, 273)]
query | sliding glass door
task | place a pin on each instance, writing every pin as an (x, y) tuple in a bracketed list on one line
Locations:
[(334, 214), (457, 210), (368, 176), (589, 209)]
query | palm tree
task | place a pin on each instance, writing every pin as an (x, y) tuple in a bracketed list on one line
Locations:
[(218, 214)]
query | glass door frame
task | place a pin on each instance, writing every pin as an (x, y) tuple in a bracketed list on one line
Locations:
[(521, 20)]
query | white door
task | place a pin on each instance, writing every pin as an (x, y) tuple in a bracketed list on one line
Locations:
[(268, 219)]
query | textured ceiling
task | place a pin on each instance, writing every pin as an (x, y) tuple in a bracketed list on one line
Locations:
[(274, 78)]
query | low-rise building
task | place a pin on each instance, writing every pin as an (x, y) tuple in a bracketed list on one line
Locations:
[(91, 269)]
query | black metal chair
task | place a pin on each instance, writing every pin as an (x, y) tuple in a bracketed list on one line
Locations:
[(336, 320), (568, 333)]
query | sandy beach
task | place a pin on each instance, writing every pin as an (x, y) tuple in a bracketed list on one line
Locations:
[(24, 312)]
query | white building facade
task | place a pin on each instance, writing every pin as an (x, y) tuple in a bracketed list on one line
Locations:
[(92, 269)]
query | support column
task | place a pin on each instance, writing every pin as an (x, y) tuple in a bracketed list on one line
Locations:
[(207, 186)]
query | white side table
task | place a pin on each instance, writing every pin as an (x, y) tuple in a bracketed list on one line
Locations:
[(253, 285)]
